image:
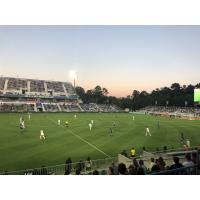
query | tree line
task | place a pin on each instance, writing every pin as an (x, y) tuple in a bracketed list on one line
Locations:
[(175, 95)]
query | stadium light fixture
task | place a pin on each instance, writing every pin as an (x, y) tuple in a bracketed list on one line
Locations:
[(73, 75)]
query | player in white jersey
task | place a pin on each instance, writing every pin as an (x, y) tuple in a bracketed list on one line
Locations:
[(29, 116), (20, 120), (90, 126), (92, 122), (188, 143), (42, 136), (75, 116), (59, 122), (148, 132), (23, 124), (133, 118)]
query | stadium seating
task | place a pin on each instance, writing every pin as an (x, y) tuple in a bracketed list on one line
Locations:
[(55, 86), (51, 107), (27, 95), (16, 84), (91, 107), (173, 111), (12, 107), (37, 86), (70, 108)]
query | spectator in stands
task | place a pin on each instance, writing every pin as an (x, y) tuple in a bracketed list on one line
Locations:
[(88, 164), (188, 162), (142, 170), (152, 163), (194, 158), (132, 170), (135, 163), (176, 164), (155, 167), (115, 168), (161, 164), (78, 172), (110, 171), (185, 148), (68, 165), (95, 172), (67, 172), (122, 169)]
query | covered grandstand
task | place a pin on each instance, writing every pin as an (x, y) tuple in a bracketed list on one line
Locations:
[(32, 95)]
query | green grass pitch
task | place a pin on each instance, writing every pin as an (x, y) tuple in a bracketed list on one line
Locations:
[(21, 151)]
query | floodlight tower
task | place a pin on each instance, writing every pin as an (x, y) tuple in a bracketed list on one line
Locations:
[(73, 75)]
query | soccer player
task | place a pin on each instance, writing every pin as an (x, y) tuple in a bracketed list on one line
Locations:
[(59, 122), (75, 116), (66, 124), (133, 118), (148, 132), (188, 143), (29, 116), (22, 126), (92, 122), (90, 126), (110, 131), (114, 125), (42, 136), (20, 119)]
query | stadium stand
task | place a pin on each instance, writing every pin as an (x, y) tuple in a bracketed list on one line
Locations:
[(55, 86), (172, 162), (51, 107), (16, 84), (177, 112), (91, 107), (31, 95)]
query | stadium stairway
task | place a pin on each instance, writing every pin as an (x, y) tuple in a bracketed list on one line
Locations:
[(43, 108), (6, 85), (59, 107), (80, 108)]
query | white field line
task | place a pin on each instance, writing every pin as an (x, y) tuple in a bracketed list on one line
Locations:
[(79, 137)]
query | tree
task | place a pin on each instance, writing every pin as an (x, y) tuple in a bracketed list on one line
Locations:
[(80, 92)]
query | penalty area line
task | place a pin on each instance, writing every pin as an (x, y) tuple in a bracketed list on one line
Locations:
[(80, 138)]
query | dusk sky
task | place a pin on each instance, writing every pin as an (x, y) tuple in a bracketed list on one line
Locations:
[(120, 58)]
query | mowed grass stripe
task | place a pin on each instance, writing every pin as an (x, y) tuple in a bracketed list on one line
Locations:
[(80, 138)]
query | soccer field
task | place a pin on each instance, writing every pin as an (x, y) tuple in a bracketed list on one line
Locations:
[(21, 151)]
